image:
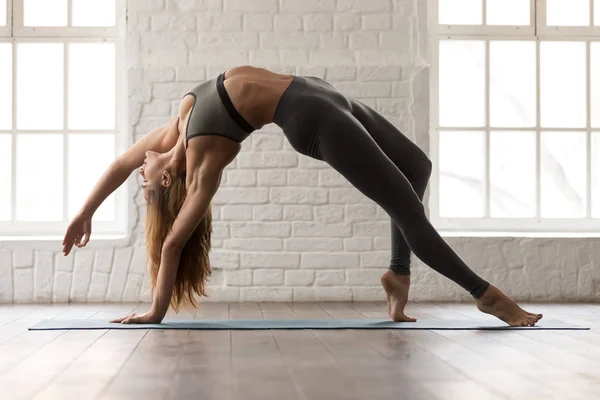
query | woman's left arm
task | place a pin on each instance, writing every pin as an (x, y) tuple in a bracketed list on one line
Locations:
[(201, 188)]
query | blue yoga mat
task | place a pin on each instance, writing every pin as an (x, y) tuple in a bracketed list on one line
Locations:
[(249, 324)]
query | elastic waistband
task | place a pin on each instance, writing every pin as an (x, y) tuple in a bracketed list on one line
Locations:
[(233, 113)]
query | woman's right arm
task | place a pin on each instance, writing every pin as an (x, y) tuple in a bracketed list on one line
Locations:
[(160, 140)]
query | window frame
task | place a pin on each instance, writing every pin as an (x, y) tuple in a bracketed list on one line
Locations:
[(123, 201), (540, 33)]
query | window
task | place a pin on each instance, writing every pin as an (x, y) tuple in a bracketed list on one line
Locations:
[(61, 112), (516, 115)]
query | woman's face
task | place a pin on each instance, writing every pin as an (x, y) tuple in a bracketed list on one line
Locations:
[(152, 171)]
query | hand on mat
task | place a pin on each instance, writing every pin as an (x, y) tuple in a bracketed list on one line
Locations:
[(79, 227), (134, 318)]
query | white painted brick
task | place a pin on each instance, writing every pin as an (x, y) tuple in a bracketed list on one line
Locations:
[(377, 22), (140, 23), (288, 22), (217, 277), (267, 277), (132, 287), (302, 177), (267, 141), (289, 40), (372, 73), (366, 89), (260, 294), (333, 294), (318, 23), (329, 260), (194, 5), (332, 178), (220, 230), (329, 278), (307, 162), (254, 244), (299, 278), (23, 285), (82, 273), (240, 177), (391, 106), (251, 6), (364, 6), (329, 214), (119, 272), (22, 258), (162, 108), (291, 195), (382, 243), (394, 41), (242, 277), (222, 22), (340, 73), (146, 290), (145, 5), (358, 244), (245, 195), (360, 212), (382, 57), (379, 228), (258, 22), (309, 244), (267, 212), (307, 6), (334, 40), (260, 229), (226, 40), (103, 260), (267, 160), (294, 57), (221, 259), (236, 212), (219, 57), (297, 213), (314, 229), (346, 22), (273, 177), (317, 71), (332, 57), (304, 294), (138, 261), (98, 286), (6, 279), (62, 286), (363, 277), (264, 57), (364, 40), (347, 196), (43, 276), (192, 74), (375, 259), (223, 294), (159, 74), (270, 260), (169, 91), (368, 293)]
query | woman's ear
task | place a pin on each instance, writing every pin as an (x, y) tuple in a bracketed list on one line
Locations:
[(166, 179)]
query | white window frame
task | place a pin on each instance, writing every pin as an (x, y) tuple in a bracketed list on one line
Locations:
[(538, 32), (6, 31), (124, 205)]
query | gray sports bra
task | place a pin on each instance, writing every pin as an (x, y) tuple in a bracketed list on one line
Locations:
[(213, 113)]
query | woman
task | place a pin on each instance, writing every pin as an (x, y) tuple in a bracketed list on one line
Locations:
[(182, 164)]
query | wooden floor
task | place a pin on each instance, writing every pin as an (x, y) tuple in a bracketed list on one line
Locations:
[(303, 364)]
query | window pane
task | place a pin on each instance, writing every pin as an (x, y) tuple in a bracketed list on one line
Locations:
[(596, 175), (5, 86), (461, 174), (595, 83), (512, 174), (563, 84), (89, 156), (2, 12), (91, 86), (463, 12), (39, 177), (93, 12), (508, 12), (45, 12), (5, 176), (462, 83), (512, 83), (563, 177), (568, 12), (40, 93)]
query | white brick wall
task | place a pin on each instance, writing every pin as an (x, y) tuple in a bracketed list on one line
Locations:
[(286, 227)]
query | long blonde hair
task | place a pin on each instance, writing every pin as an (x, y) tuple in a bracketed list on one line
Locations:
[(194, 269)]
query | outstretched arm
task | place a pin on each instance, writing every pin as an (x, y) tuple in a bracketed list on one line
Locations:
[(160, 140)]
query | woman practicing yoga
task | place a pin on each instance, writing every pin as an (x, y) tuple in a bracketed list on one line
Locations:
[(182, 163)]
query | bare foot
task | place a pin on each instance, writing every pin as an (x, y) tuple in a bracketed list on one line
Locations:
[(498, 304), (396, 289)]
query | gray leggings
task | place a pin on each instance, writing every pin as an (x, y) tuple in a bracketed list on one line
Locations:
[(380, 161)]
